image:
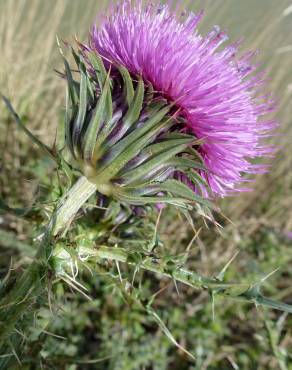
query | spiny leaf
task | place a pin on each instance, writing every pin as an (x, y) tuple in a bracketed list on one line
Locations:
[(136, 105), (180, 163), (68, 122), (101, 144), (78, 123), (99, 68), (95, 123), (130, 152), (153, 149), (70, 82), (128, 84), (102, 75), (155, 162), (196, 178), (133, 112), (140, 197), (178, 188), (149, 125), (131, 198)]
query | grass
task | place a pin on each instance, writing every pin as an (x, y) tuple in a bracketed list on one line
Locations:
[(112, 331)]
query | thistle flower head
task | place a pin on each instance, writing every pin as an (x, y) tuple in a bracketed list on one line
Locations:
[(218, 93), (123, 136)]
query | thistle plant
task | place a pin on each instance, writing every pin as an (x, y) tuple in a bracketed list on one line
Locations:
[(156, 116)]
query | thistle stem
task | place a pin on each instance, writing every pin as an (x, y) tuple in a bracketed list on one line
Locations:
[(236, 291), (25, 294)]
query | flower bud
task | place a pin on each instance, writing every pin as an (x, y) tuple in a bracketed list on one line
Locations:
[(126, 138)]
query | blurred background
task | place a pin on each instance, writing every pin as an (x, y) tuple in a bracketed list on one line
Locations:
[(108, 333)]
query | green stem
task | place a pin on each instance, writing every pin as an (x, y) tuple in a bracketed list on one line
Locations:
[(236, 291), (24, 295)]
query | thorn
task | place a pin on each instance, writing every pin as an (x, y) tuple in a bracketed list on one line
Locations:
[(221, 274), (53, 335), (176, 287), (119, 271), (15, 354), (153, 243), (193, 239), (151, 300), (69, 282), (134, 275), (213, 305), (266, 277)]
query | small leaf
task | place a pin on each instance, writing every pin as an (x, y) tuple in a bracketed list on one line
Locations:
[(128, 84), (107, 173), (178, 188), (78, 123), (196, 179), (136, 105), (94, 125), (149, 125), (159, 147), (133, 112), (154, 163), (182, 163), (97, 64), (131, 198)]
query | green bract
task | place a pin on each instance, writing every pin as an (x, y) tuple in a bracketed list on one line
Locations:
[(125, 137)]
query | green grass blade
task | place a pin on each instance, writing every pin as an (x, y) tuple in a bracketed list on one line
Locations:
[(45, 149)]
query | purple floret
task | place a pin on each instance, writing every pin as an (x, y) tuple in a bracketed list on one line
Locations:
[(219, 93)]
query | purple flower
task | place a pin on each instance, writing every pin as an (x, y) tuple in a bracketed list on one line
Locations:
[(219, 93)]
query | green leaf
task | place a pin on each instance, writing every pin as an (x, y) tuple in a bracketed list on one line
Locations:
[(101, 144), (68, 122), (196, 178), (129, 152), (182, 163), (128, 84), (70, 82), (161, 146), (135, 107), (149, 125), (141, 200), (153, 149), (95, 123), (97, 64), (155, 162), (78, 123), (177, 187)]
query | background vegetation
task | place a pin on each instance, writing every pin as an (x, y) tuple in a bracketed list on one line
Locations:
[(110, 331)]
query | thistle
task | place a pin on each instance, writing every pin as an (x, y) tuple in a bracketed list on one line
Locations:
[(155, 114), (219, 93)]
